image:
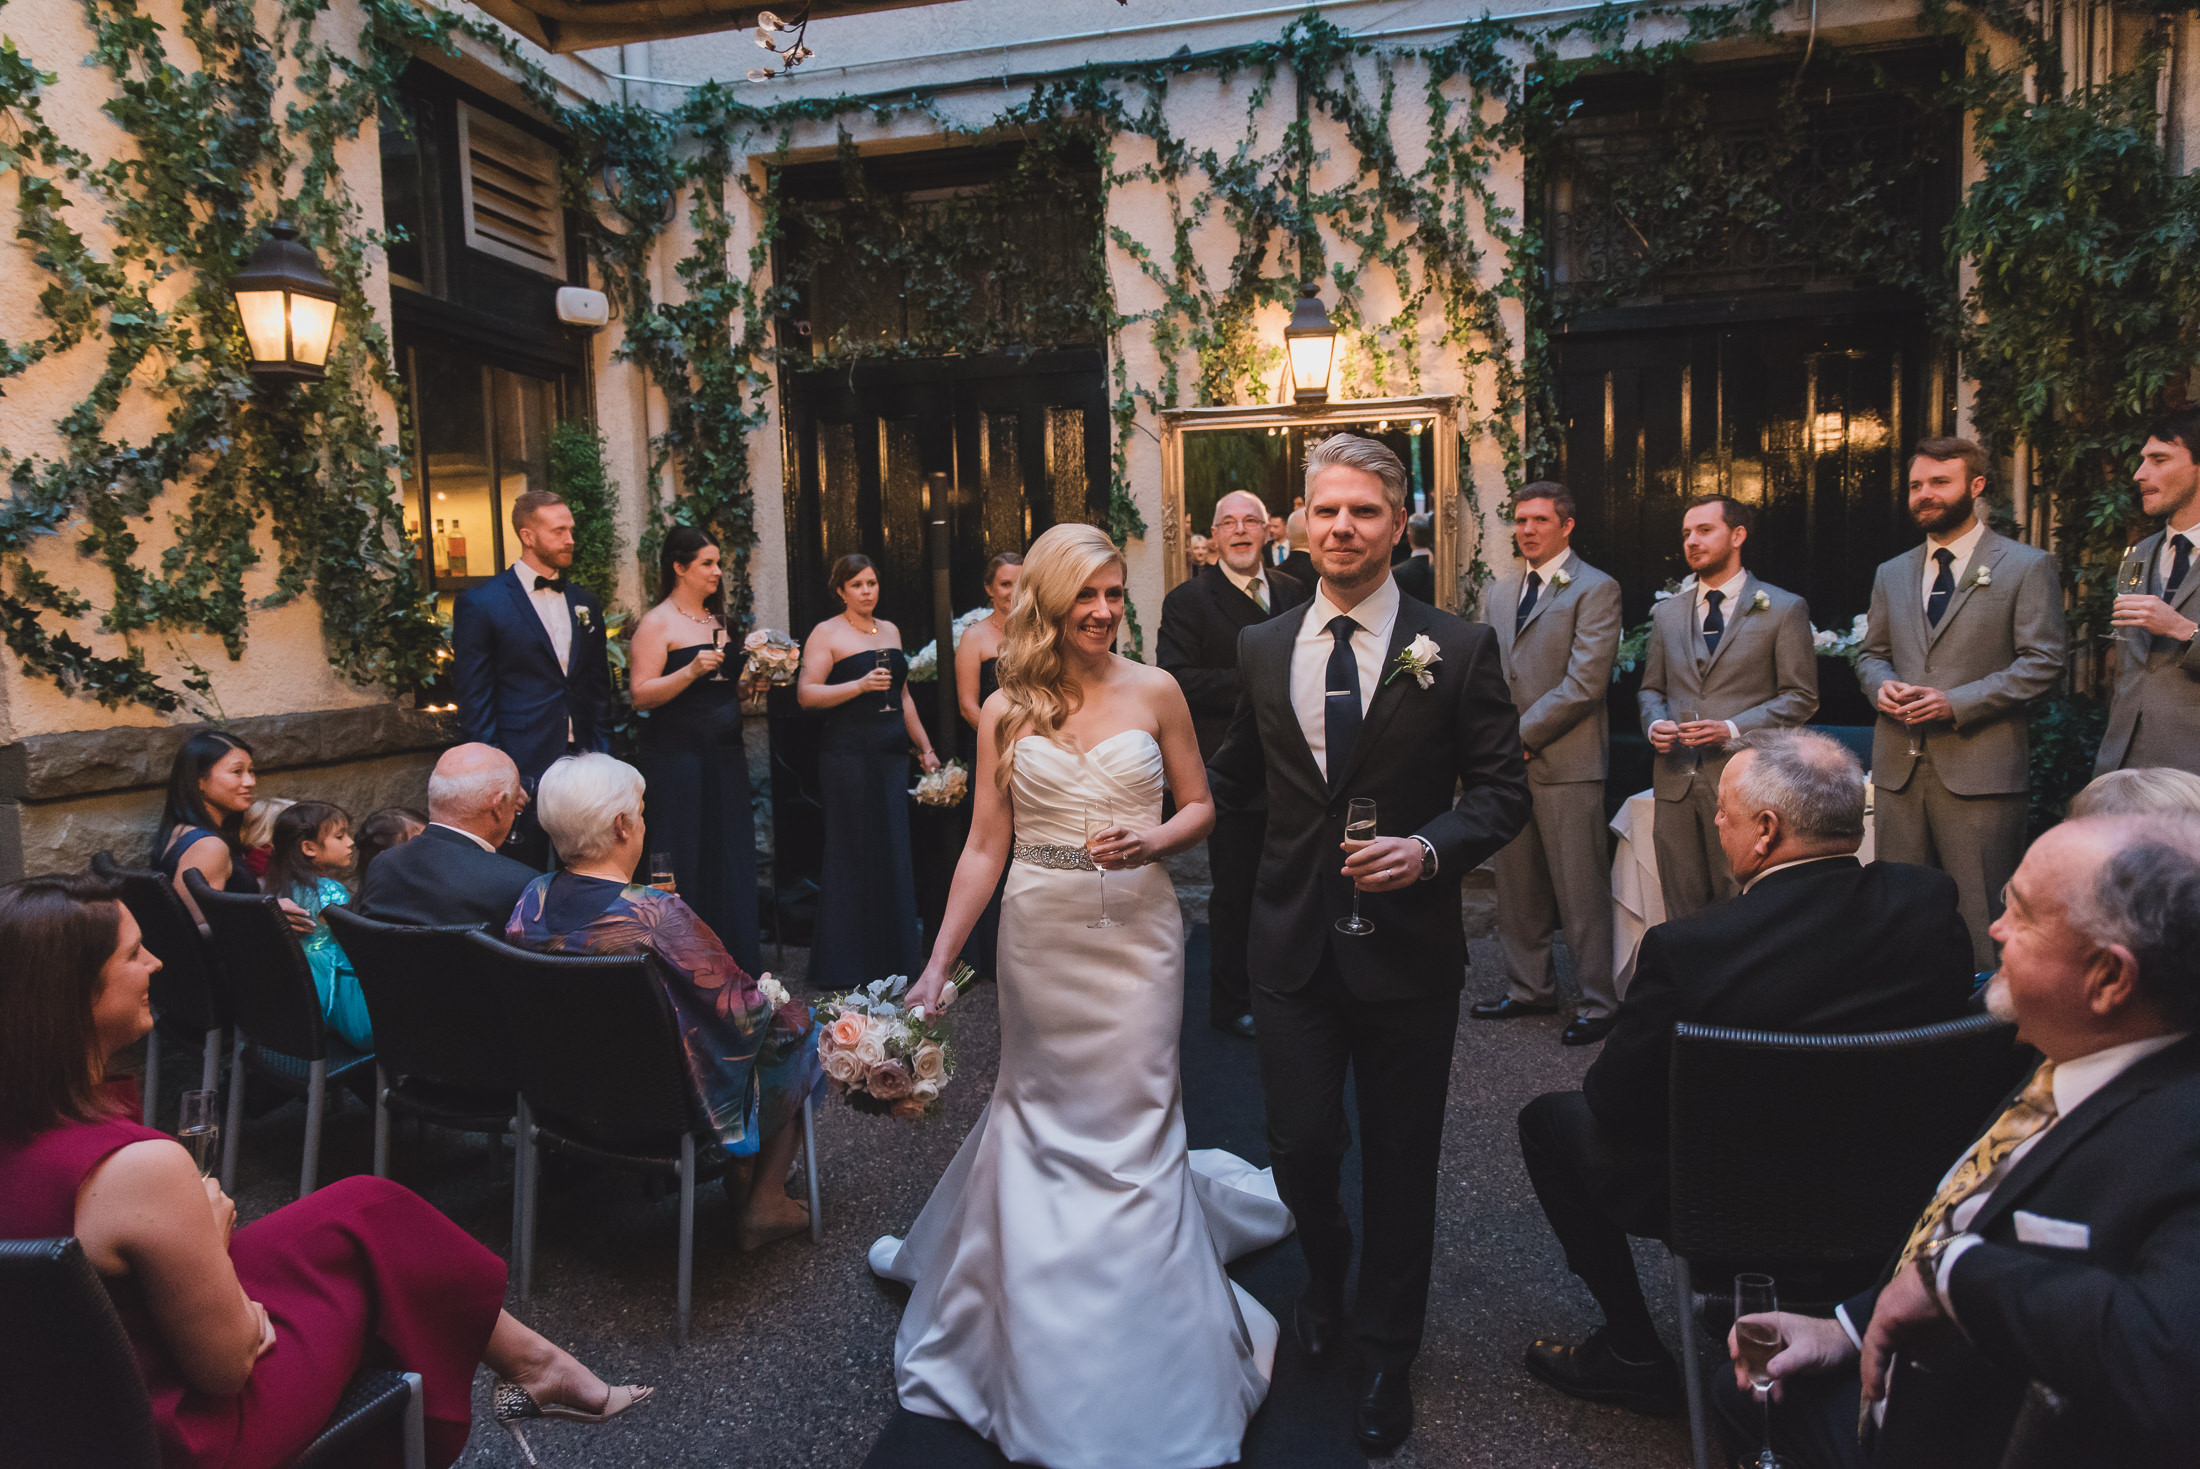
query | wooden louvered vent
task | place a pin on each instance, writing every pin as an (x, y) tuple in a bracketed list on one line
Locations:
[(511, 193)]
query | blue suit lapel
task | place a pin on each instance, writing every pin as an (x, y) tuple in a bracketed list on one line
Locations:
[(524, 609)]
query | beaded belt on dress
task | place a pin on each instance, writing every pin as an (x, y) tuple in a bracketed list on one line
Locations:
[(1063, 859)]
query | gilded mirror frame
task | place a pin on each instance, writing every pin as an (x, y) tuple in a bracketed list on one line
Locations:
[(1442, 414)]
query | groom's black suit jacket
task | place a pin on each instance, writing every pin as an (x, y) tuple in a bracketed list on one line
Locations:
[(1441, 763)]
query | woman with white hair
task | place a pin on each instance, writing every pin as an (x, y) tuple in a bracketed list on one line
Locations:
[(1068, 1299), (751, 1063)]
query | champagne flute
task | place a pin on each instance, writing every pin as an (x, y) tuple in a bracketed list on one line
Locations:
[(718, 644), (1359, 831), (198, 1127), (660, 873), (886, 695), (1756, 1343), (1685, 718), (1097, 820)]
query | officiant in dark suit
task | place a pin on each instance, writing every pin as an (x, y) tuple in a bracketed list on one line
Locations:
[(1200, 623), (528, 659), (1366, 694)]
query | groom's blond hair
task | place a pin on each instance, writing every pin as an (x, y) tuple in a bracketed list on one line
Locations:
[(1034, 677), (1369, 456)]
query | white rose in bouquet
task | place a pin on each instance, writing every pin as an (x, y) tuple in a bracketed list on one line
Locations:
[(871, 1050), (929, 1063), (842, 1068), (926, 1091)]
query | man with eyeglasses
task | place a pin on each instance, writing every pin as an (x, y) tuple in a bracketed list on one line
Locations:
[(1200, 622)]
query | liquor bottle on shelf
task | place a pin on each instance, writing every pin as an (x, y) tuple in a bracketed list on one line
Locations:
[(442, 551), (458, 549)]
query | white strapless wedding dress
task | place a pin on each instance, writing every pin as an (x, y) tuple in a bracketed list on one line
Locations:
[(1068, 1296)]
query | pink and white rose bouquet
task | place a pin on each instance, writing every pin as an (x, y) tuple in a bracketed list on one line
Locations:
[(884, 1056)]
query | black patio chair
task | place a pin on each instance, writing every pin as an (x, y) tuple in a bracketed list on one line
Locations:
[(280, 1034), (187, 998), (603, 1080), (1808, 1157), (71, 1394)]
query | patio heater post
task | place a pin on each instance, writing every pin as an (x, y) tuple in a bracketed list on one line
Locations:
[(943, 676)]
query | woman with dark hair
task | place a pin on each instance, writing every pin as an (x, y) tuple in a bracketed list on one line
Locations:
[(245, 1340), (210, 788), (392, 826), (685, 673), (854, 670)]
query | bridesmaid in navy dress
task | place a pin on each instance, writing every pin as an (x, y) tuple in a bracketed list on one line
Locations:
[(853, 669), (976, 657), (685, 672)]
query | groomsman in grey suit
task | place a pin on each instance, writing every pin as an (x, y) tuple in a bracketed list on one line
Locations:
[(1965, 631), (2154, 713), (1558, 624), (1729, 655)]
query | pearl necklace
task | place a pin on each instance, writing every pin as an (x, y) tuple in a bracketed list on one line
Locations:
[(706, 620)]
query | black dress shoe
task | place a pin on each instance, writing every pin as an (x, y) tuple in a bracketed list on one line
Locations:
[(1317, 1333), (1591, 1371), (1509, 1008), (1584, 1032), (1386, 1411)]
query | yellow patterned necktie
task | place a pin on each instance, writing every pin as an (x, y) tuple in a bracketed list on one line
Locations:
[(2026, 1118)]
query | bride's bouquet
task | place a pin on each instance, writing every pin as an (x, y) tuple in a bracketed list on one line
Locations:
[(945, 786), (885, 1058)]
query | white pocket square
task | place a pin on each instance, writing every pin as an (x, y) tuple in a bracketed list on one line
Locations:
[(2058, 1234)]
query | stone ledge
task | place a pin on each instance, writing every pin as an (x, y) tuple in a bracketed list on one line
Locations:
[(89, 762)]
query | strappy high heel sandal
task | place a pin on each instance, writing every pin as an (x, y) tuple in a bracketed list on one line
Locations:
[(514, 1405)]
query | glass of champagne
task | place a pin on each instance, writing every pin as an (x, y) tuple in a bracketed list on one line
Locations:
[(199, 1128), (718, 643), (1756, 1343), (1099, 819), (1359, 831), (660, 873), (886, 695), (1685, 718)]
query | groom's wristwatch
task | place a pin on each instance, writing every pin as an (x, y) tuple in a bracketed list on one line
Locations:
[(1428, 859)]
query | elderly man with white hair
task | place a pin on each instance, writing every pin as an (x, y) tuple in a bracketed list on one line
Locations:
[(453, 872), (1815, 941), (2045, 1311), (752, 1056)]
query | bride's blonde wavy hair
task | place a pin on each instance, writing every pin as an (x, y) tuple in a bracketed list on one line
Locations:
[(1033, 674)]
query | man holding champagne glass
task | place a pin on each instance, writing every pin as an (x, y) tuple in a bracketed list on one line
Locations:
[(2154, 711)]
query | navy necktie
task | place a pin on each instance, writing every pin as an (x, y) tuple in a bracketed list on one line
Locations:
[(2180, 562), (1944, 586), (1527, 602), (1341, 697), (1714, 621)]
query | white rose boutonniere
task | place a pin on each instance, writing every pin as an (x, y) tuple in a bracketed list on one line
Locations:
[(1982, 578), (1759, 602), (1560, 581), (585, 616), (774, 993), (1416, 658)]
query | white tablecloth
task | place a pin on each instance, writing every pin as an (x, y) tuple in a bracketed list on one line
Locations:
[(1638, 902)]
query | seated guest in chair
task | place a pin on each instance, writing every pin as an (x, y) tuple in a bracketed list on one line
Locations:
[(312, 844), (245, 1339), (392, 826), (751, 1063), (1815, 941), (2153, 790), (454, 873), (2045, 1312)]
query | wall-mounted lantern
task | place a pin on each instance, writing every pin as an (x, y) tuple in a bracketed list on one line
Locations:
[(288, 307), (1312, 343)]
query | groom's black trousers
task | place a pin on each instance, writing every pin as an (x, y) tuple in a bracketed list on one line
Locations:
[(1399, 1053)]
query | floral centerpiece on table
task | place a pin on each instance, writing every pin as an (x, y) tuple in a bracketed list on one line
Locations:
[(883, 1056), (945, 786), (924, 664)]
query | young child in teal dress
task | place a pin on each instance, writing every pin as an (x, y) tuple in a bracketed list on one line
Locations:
[(312, 844)]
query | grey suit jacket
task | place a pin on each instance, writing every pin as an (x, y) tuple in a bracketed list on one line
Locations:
[(2155, 678), (1557, 667), (1997, 648), (1764, 674)]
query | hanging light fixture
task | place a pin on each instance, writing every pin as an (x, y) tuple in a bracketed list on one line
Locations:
[(1312, 343), (288, 307)]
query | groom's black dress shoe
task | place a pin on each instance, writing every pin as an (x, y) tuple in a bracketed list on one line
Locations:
[(1594, 1372), (1584, 1032), (1386, 1411), (1317, 1333), (1508, 1008)]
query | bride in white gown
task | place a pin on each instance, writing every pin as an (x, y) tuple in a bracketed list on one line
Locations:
[(1068, 1299)]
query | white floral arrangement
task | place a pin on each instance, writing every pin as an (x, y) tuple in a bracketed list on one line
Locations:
[(773, 655), (1417, 658), (1560, 581), (1982, 578), (1849, 645), (882, 1056), (1759, 602), (945, 786), (924, 664)]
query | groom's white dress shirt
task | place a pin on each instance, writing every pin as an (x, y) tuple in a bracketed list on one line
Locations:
[(1310, 658)]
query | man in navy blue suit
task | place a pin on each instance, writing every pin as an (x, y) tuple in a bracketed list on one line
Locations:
[(528, 656)]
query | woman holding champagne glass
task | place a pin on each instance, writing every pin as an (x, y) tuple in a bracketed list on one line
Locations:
[(685, 673), (853, 669)]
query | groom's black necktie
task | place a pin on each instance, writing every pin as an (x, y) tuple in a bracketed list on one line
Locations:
[(1341, 697)]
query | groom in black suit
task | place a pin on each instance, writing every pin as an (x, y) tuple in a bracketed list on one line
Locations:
[(529, 660), (1370, 694)]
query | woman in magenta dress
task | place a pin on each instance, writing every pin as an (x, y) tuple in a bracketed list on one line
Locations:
[(245, 1338)]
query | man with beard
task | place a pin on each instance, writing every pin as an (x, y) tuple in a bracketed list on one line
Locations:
[(1965, 631), (2154, 716), (1200, 623)]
